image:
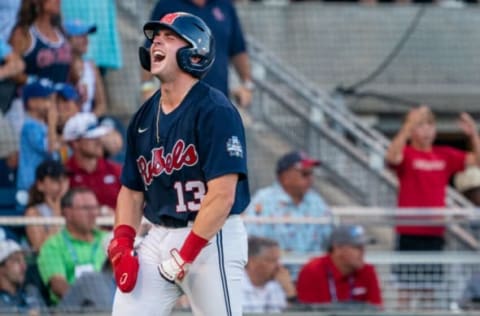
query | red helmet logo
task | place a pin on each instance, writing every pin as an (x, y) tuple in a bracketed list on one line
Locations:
[(170, 18)]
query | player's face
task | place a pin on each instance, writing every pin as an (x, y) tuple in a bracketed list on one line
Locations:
[(163, 54)]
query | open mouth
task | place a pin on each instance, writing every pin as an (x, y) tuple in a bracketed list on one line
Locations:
[(158, 56)]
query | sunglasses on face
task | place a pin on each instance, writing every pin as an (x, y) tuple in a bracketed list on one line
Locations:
[(305, 173)]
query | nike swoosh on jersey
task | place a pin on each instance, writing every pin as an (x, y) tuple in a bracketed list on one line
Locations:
[(142, 130)]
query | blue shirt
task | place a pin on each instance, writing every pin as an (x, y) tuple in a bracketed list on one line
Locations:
[(273, 201), (171, 157), (221, 17), (33, 150)]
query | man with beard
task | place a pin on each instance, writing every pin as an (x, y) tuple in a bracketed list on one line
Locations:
[(87, 166)]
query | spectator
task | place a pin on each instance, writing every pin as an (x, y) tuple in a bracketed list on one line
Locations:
[(16, 295), (89, 83), (38, 138), (267, 285), (221, 17), (341, 276), (77, 248), (424, 171), (68, 105), (92, 291), (105, 48), (39, 39), (51, 184), (291, 196), (470, 299), (87, 166)]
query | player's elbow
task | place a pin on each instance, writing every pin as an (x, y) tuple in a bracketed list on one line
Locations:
[(227, 198)]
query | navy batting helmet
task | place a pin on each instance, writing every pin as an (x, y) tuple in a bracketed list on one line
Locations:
[(195, 32)]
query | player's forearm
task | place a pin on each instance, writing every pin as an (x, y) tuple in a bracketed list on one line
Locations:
[(241, 62), (215, 206), (129, 208)]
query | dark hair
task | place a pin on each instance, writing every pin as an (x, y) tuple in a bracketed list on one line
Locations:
[(256, 245), (30, 10), (67, 199)]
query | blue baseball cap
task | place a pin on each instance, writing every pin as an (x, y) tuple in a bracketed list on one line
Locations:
[(296, 158), (67, 91), (41, 88), (78, 27)]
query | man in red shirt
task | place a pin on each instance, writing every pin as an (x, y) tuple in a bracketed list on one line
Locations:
[(341, 276), (86, 166)]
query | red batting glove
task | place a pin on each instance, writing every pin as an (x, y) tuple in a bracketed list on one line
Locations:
[(123, 257)]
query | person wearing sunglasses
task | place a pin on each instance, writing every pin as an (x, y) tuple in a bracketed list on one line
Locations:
[(292, 195)]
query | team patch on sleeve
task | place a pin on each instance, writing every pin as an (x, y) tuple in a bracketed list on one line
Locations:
[(234, 147)]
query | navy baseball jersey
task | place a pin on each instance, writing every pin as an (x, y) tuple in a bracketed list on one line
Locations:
[(171, 157)]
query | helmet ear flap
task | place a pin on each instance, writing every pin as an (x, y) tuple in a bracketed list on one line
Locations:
[(144, 55), (197, 69)]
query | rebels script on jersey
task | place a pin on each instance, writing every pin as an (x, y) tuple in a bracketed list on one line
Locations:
[(181, 151)]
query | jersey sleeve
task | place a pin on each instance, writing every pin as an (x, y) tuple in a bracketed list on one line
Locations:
[(222, 147), (237, 40), (130, 176)]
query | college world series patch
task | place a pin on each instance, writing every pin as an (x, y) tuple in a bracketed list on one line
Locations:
[(234, 147)]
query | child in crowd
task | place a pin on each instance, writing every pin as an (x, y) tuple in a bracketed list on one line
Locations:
[(38, 137)]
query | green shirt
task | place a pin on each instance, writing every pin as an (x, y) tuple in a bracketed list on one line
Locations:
[(62, 253)]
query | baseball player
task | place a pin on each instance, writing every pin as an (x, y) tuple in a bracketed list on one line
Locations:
[(185, 171)]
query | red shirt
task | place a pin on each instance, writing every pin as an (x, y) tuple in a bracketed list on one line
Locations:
[(423, 180), (319, 281), (104, 180)]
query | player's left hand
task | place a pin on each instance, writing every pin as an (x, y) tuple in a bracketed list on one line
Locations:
[(175, 268)]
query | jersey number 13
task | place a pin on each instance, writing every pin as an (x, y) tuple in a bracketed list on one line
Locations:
[(198, 190)]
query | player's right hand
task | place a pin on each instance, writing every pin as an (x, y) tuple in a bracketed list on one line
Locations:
[(123, 257)]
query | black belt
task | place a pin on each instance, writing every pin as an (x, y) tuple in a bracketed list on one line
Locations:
[(173, 222)]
